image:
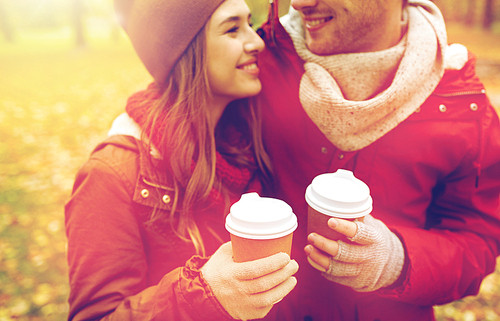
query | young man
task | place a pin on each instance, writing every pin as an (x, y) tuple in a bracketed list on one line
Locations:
[(372, 86)]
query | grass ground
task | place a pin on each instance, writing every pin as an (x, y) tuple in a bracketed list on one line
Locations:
[(56, 103)]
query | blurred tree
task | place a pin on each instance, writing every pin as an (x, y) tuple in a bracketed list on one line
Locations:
[(5, 24), (284, 5), (470, 13), (78, 23), (489, 14), (260, 9)]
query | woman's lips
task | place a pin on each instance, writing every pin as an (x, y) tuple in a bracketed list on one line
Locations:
[(250, 68)]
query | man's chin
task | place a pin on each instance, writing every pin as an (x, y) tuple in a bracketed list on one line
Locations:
[(320, 49)]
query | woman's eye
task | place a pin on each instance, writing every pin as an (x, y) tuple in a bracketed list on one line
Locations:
[(232, 30)]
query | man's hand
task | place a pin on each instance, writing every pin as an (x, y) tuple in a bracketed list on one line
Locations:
[(373, 260)]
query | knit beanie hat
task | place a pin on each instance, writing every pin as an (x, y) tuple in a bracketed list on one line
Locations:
[(161, 30)]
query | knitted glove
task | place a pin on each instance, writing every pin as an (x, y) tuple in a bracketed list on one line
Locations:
[(375, 259), (249, 290)]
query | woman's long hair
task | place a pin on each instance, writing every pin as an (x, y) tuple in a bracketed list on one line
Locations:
[(186, 140)]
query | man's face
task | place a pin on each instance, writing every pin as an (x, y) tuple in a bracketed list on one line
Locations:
[(349, 26)]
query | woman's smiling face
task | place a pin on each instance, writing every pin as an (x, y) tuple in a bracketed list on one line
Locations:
[(232, 49)]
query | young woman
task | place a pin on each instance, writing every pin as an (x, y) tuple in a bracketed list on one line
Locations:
[(148, 207)]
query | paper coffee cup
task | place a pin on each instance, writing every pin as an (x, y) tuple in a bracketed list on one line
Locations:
[(339, 195), (260, 227)]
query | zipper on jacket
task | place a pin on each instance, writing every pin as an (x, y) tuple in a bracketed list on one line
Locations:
[(463, 93), (479, 159), (478, 172), (272, 18)]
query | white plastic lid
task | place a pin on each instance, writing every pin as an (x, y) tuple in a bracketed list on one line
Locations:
[(259, 218), (339, 194)]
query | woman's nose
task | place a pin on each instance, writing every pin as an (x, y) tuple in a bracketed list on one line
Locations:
[(255, 44)]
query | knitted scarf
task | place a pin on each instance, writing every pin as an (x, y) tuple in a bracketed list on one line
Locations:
[(233, 178), (341, 93)]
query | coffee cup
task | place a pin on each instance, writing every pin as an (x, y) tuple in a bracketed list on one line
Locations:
[(339, 195), (260, 227)]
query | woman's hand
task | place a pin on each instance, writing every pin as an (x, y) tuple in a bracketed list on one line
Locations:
[(248, 290), (373, 260)]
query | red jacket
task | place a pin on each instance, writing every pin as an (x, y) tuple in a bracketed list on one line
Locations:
[(120, 269), (434, 179)]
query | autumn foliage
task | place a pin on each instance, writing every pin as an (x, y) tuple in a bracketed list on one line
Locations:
[(56, 104)]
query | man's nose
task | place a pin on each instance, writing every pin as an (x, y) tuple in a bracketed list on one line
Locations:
[(301, 4)]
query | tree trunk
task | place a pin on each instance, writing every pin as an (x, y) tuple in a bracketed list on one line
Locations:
[(489, 15), (470, 15), (5, 26), (78, 23)]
